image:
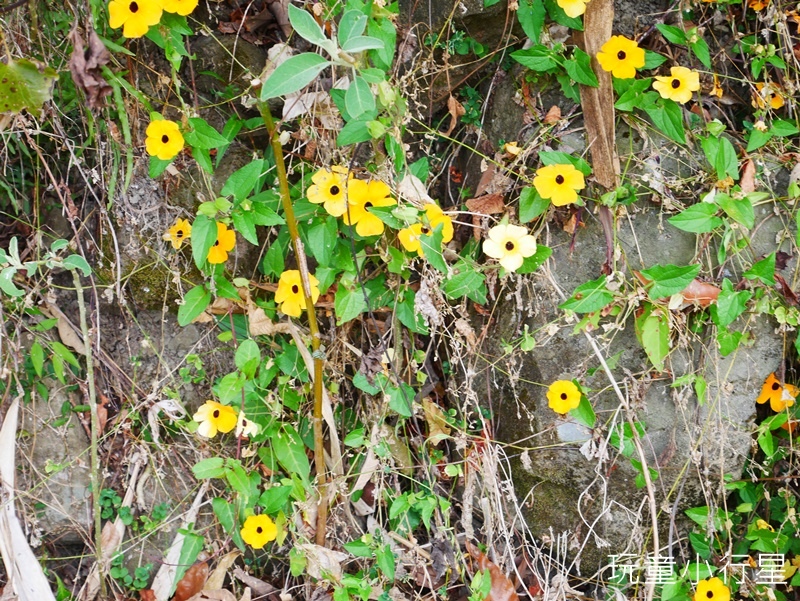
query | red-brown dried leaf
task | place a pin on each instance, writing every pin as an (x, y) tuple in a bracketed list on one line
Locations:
[(488, 204), (147, 595), (786, 290), (748, 181), (85, 65), (700, 292), (502, 587), (456, 109), (781, 259), (553, 115), (192, 582)]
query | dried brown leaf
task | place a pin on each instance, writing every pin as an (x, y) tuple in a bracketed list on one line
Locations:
[(598, 103), (700, 293), (456, 109), (502, 587), (260, 588), (786, 290), (488, 204), (85, 65), (218, 595), (748, 181), (553, 115), (438, 429), (781, 259), (217, 577), (192, 582)]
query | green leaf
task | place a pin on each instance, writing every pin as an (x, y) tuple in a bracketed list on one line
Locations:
[(358, 548), (579, 68), (213, 467), (728, 341), (361, 43), (700, 218), (652, 331), (348, 304), (400, 399), (536, 58), (306, 27), (553, 157), (226, 514), (62, 351), (354, 132), (757, 139), (530, 15), (274, 498), (78, 262), (202, 135), (589, 297), (322, 238), (466, 279), (25, 84), (204, 235), (741, 210), (669, 279), (632, 97), (668, 119), (352, 24), (7, 282), (37, 358), (432, 249), (385, 559), (559, 16), (763, 270), (726, 162), (384, 30), (291, 452), (190, 549), (729, 305), (248, 357), (194, 303), (237, 479), (532, 263), (245, 224), (242, 181), (783, 128), (653, 60), (358, 98), (360, 381), (672, 34), (700, 49), (293, 75), (531, 205), (203, 158), (584, 413)]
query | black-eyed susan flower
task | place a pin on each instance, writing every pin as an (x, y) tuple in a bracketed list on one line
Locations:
[(226, 240), (779, 396), (181, 7), (768, 95), (764, 525), (164, 139), (712, 589), (435, 216), (573, 8), (621, 57), (134, 16), (678, 85), (410, 237), (510, 245), (258, 530), (361, 196), (563, 396), (178, 233), (289, 294), (559, 183), (330, 190), (245, 427), (214, 417)]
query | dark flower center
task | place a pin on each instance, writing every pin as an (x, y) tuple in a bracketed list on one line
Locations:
[(133, 7), (295, 289), (216, 243), (367, 205), (165, 137), (259, 530), (334, 190), (509, 246), (676, 83), (559, 179), (425, 230), (563, 396), (179, 234), (216, 413), (621, 55), (775, 386), (710, 594)]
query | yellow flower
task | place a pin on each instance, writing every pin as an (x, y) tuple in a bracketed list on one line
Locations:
[(621, 57), (164, 139), (226, 240), (135, 15), (410, 237), (779, 397), (214, 417), (258, 530), (245, 427), (678, 85), (435, 216), (510, 244), (289, 294), (563, 396), (330, 190), (178, 233), (789, 569), (559, 183), (769, 95), (182, 7), (362, 195), (764, 525), (712, 589), (573, 8), (758, 5)]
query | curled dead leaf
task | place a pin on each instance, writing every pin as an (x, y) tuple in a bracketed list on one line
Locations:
[(553, 115), (455, 108), (438, 429), (488, 204), (502, 587), (748, 180), (700, 293), (85, 65)]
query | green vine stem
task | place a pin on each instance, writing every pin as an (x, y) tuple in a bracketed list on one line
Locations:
[(317, 354)]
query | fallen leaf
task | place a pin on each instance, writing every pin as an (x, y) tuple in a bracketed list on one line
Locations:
[(781, 259), (786, 290), (598, 103), (748, 180), (700, 293), (456, 109), (219, 595), (147, 594), (488, 204), (85, 65), (438, 430), (192, 582), (323, 563), (217, 577), (571, 224), (502, 587), (260, 588), (553, 115)]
